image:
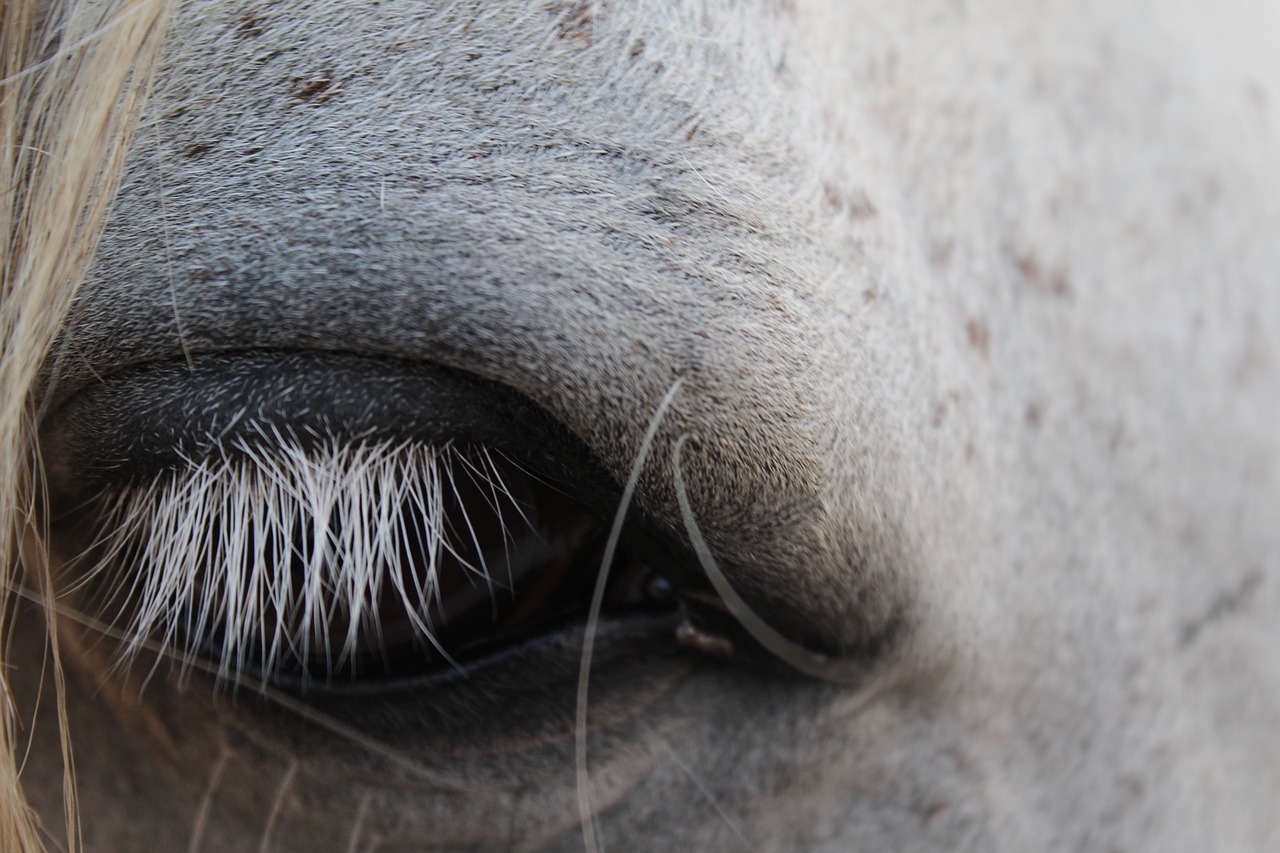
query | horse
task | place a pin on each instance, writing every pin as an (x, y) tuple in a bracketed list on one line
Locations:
[(671, 424)]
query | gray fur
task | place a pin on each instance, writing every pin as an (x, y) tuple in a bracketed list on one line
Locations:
[(975, 308)]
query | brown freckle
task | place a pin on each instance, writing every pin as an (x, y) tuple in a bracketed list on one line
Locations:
[(830, 196), (932, 810), (575, 20), (637, 49), (691, 133), (970, 453), (315, 90), (857, 205), (869, 295), (979, 337), (1034, 415), (861, 206), (251, 25), (1054, 281), (1029, 267), (196, 150)]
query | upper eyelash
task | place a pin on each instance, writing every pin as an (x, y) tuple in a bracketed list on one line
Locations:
[(212, 547)]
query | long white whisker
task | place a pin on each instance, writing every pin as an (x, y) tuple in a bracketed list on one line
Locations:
[(586, 813), (803, 660), (357, 826), (698, 783), (206, 801), (277, 806)]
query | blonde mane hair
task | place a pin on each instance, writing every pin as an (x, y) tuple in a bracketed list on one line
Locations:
[(72, 77)]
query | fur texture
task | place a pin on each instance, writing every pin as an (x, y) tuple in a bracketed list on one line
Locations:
[(974, 312)]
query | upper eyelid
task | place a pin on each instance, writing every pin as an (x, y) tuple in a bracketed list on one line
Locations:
[(165, 415)]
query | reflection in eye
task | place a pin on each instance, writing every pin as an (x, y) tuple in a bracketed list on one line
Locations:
[(343, 562)]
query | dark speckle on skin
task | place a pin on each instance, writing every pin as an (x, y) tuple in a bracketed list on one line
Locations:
[(979, 337), (251, 25), (932, 810), (575, 19), (944, 407), (855, 204), (1052, 281), (315, 90), (1035, 415), (1132, 785), (860, 205), (830, 195)]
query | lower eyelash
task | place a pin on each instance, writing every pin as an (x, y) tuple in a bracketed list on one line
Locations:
[(267, 561)]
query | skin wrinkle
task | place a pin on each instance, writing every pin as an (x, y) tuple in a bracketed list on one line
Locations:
[(873, 238)]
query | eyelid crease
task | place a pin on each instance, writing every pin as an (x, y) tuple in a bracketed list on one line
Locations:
[(214, 548)]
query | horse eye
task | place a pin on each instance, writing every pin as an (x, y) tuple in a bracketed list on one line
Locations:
[(340, 561), (350, 563)]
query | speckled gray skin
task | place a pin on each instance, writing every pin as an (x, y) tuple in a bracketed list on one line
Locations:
[(975, 309)]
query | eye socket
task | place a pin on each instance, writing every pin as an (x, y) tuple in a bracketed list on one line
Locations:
[(330, 563)]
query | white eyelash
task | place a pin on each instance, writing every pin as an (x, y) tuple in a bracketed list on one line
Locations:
[(213, 549)]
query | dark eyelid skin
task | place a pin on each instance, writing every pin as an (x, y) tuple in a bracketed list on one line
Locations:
[(162, 416)]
